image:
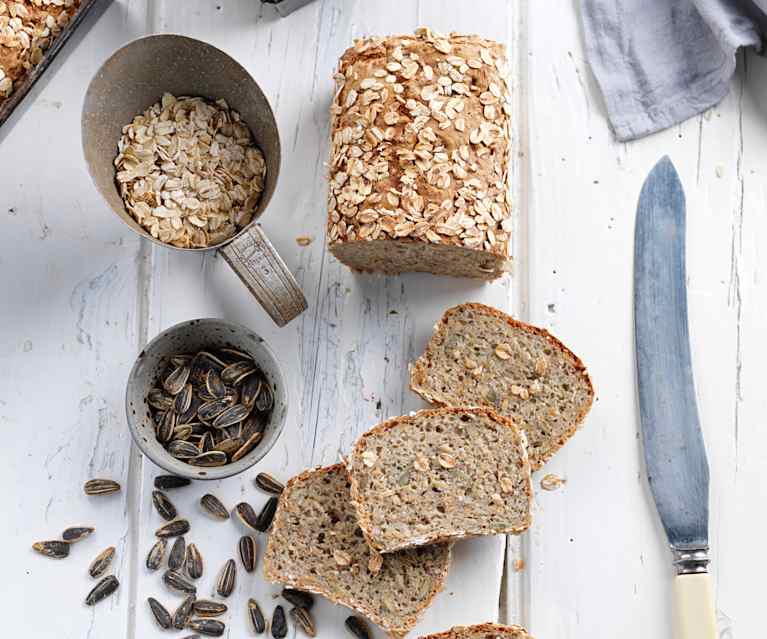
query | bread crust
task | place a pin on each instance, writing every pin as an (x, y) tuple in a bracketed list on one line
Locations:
[(302, 584), (355, 460), (419, 369), (493, 629)]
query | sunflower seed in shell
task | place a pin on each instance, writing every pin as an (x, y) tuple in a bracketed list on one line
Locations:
[(94, 487), (160, 613), (228, 446), (213, 506), (168, 482), (207, 627), (177, 554), (298, 598), (190, 414), (176, 581), (209, 459), (182, 432), (180, 360), (255, 423), (159, 399), (165, 427), (54, 548), (269, 484), (231, 416), (227, 579), (156, 554), (183, 450), (183, 613), (102, 589), (163, 505), (102, 561), (246, 514), (248, 552), (266, 515), (358, 627), (279, 623), (193, 562), (250, 390), (214, 385), (208, 608), (206, 443), (249, 445), (214, 359), (237, 372), (208, 411), (303, 619), (256, 616), (173, 528), (231, 355), (194, 636), (265, 399), (183, 400), (76, 533), (175, 382)]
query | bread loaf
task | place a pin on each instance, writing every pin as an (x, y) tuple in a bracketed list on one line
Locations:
[(479, 356), (482, 631), (420, 156), (316, 545), (440, 475)]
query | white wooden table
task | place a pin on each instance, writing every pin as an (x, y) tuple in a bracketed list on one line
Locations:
[(81, 295)]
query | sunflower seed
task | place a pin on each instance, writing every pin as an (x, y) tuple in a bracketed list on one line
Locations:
[(176, 581), (180, 360), (250, 390), (358, 627), (237, 372), (175, 382), (214, 385), (101, 487), (183, 400), (167, 482), (194, 636), (76, 533), (255, 423), (206, 443), (193, 562), (214, 359), (190, 414), (303, 619), (213, 506), (183, 612), (231, 355), (156, 554), (208, 608), (209, 459), (298, 598), (266, 515), (183, 432), (99, 565), (247, 515), (265, 400), (256, 617), (54, 549), (161, 614), (247, 446), (177, 554), (231, 416), (227, 579), (269, 484), (279, 623), (208, 627), (248, 552), (163, 505), (173, 528), (210, 410), (183, 450), (158, 399), (102, 589), (166, 426), (228, 446)]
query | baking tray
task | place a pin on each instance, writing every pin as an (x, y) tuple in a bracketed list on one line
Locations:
[(20, 91)]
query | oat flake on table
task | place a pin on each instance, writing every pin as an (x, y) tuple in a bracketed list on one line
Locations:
[(189, 171)]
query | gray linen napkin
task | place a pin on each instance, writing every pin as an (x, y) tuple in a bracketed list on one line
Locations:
[(659, 62)]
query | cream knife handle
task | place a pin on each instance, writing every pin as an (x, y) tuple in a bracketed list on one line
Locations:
[(694, 616)]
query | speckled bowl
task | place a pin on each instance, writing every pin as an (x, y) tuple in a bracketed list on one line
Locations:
[(193, 336)]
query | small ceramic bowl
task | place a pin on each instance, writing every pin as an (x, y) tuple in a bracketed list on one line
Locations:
[(189, 337)]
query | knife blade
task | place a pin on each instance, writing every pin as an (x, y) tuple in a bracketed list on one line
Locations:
[(674, 451)]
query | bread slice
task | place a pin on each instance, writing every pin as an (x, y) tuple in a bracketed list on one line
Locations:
[(479, 356), (440, 475), (316, 545), (482, 631)]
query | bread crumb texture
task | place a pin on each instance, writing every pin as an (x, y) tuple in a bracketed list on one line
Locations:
[(482, 631)]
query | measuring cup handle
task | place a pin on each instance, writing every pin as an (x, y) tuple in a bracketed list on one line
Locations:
[(262, 270)]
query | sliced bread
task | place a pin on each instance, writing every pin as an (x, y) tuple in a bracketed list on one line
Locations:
[(439, 475), (479, 356), (316, 545), (482, 631)]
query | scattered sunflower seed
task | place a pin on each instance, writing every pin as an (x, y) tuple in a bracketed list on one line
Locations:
[(269, 484), (163, 505), (248, 552), (256, 617), (266, 515), (209, 608), (76, 533), (247, 515), (168, 482), (161, 614), (193, 562), (227, 579), (102, 561), (177, 554), (279, 623), (102, 589), (298, 598), (54, 549), (183, 613), (213, 506), (303, 619), (358, 627), (207, 627), (101, 487), (173, 528), (156, 554), (176, 581)]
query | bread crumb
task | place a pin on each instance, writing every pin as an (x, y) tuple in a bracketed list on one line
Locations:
[(552, 482), (303, 240), (375, 562), (519, 565), (342, 558)]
